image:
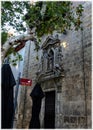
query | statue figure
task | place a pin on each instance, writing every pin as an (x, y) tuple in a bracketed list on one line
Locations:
[(50, 60)]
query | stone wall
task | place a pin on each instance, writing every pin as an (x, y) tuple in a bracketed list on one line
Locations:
[(73, 102), (29, 71), (76, 86)]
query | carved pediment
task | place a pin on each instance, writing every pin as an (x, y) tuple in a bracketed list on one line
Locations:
[(50, 40)]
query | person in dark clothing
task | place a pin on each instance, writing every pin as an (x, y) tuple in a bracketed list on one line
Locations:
[(37, 95), (7, 106)]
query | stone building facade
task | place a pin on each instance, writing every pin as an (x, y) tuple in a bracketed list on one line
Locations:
[(64, 71)]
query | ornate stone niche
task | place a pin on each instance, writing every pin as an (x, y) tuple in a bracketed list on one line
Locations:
[(51, 60)]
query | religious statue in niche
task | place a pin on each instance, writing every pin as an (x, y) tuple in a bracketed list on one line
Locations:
[(50, 64)]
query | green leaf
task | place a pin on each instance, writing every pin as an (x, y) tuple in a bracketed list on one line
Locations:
[(4, 36)]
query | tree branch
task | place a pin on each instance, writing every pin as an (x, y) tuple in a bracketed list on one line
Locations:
[(13, 41)]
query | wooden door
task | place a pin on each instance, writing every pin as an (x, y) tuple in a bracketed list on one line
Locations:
[(49, 120)]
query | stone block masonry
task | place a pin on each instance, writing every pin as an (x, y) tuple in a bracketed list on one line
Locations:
[(73, 98)]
